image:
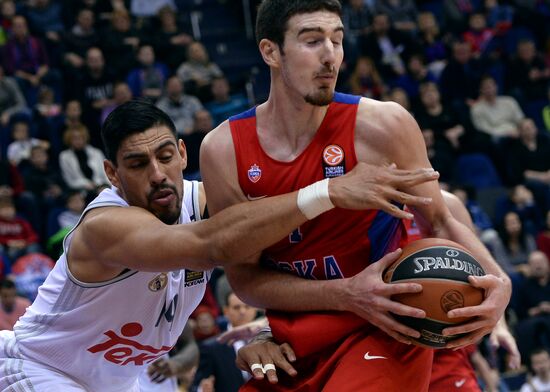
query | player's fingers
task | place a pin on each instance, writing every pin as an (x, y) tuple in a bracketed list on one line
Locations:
[(386, 261), (271, 373), (280, 361), (465, 340), (401, 288), (393, 210), (394, 334), (392, 324), (403, 310), (407, 199), (251, 362), (288, 352), (407, 178), (472, 326)]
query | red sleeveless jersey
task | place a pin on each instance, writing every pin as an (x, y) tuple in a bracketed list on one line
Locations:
[(339, 243)]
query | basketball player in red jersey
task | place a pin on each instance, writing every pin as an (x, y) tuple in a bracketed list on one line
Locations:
[(451, 369), (306, 132)]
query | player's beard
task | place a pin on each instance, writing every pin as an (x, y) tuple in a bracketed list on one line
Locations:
[(323, 97)]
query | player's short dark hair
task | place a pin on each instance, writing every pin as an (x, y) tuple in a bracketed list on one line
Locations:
[(7, 284), (129, 118), (273, 16)]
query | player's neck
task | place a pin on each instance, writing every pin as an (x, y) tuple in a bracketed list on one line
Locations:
[(286, 127)]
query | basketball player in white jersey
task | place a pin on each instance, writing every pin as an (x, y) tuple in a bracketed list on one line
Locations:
[(136, 265)]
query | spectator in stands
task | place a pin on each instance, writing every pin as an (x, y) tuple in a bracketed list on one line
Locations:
[(478, 35), (460, 78), (539, 360), (520, 201), (356, 17), (224, 104), (456, 12), (528, 75), (397, 94), (95, 89), (198, 71), (481, 221), (386, 46), (441, 156), (8, 10), (17, 236), (45, 21), (543, 237), (531, 165), (496, 115), (12, 100), (81, 164), (365, 79), (432, 42), (12, 185), (201, 126), (121, 94), (171, 41), (120, 43), (533, 309), (147, 80), (149, 8), (442, 120), (25, 57), (20, 148), (499, 16), (79, 39), (417, 73), (218, 359), (75, 204), (179, 106), (402, 14), (12, 306), (514, 245), (46, 107), (44, 182), (204, 323)]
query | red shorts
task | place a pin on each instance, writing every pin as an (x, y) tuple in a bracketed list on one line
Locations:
[(453, 371), (366, 360)]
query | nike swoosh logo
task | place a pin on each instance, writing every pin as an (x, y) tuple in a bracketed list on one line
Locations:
[(252, 198), (460, 383), (369, 357)]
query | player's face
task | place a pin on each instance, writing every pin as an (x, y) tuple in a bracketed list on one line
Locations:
[(312, 55), (149, 172)]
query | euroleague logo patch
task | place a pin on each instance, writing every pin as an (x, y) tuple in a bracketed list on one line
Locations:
[(333, 155), (254, 173), (452, 299)]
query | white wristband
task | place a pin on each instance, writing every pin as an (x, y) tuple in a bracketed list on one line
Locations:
[(314, 199)]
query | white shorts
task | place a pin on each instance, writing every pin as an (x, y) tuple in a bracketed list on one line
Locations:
[(22, 375)]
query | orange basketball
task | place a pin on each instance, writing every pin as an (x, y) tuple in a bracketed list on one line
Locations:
[(442, 268)]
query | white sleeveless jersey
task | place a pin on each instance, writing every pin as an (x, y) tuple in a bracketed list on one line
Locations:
[(103, 335)]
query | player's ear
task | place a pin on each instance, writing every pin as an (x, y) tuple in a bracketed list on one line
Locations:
[(110, 171), (183, 152), (271, 52)]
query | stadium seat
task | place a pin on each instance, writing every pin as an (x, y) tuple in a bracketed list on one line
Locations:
[(476, 170)]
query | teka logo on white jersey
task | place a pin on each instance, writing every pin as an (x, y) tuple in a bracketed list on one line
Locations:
[(158, 282), (368, 357), (122, 350), (254, 173)]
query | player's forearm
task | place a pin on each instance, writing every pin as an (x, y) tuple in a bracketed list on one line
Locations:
[(265, 288), (241, 231)]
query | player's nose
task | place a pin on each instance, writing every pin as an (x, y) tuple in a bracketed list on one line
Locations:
[(156, 174)]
